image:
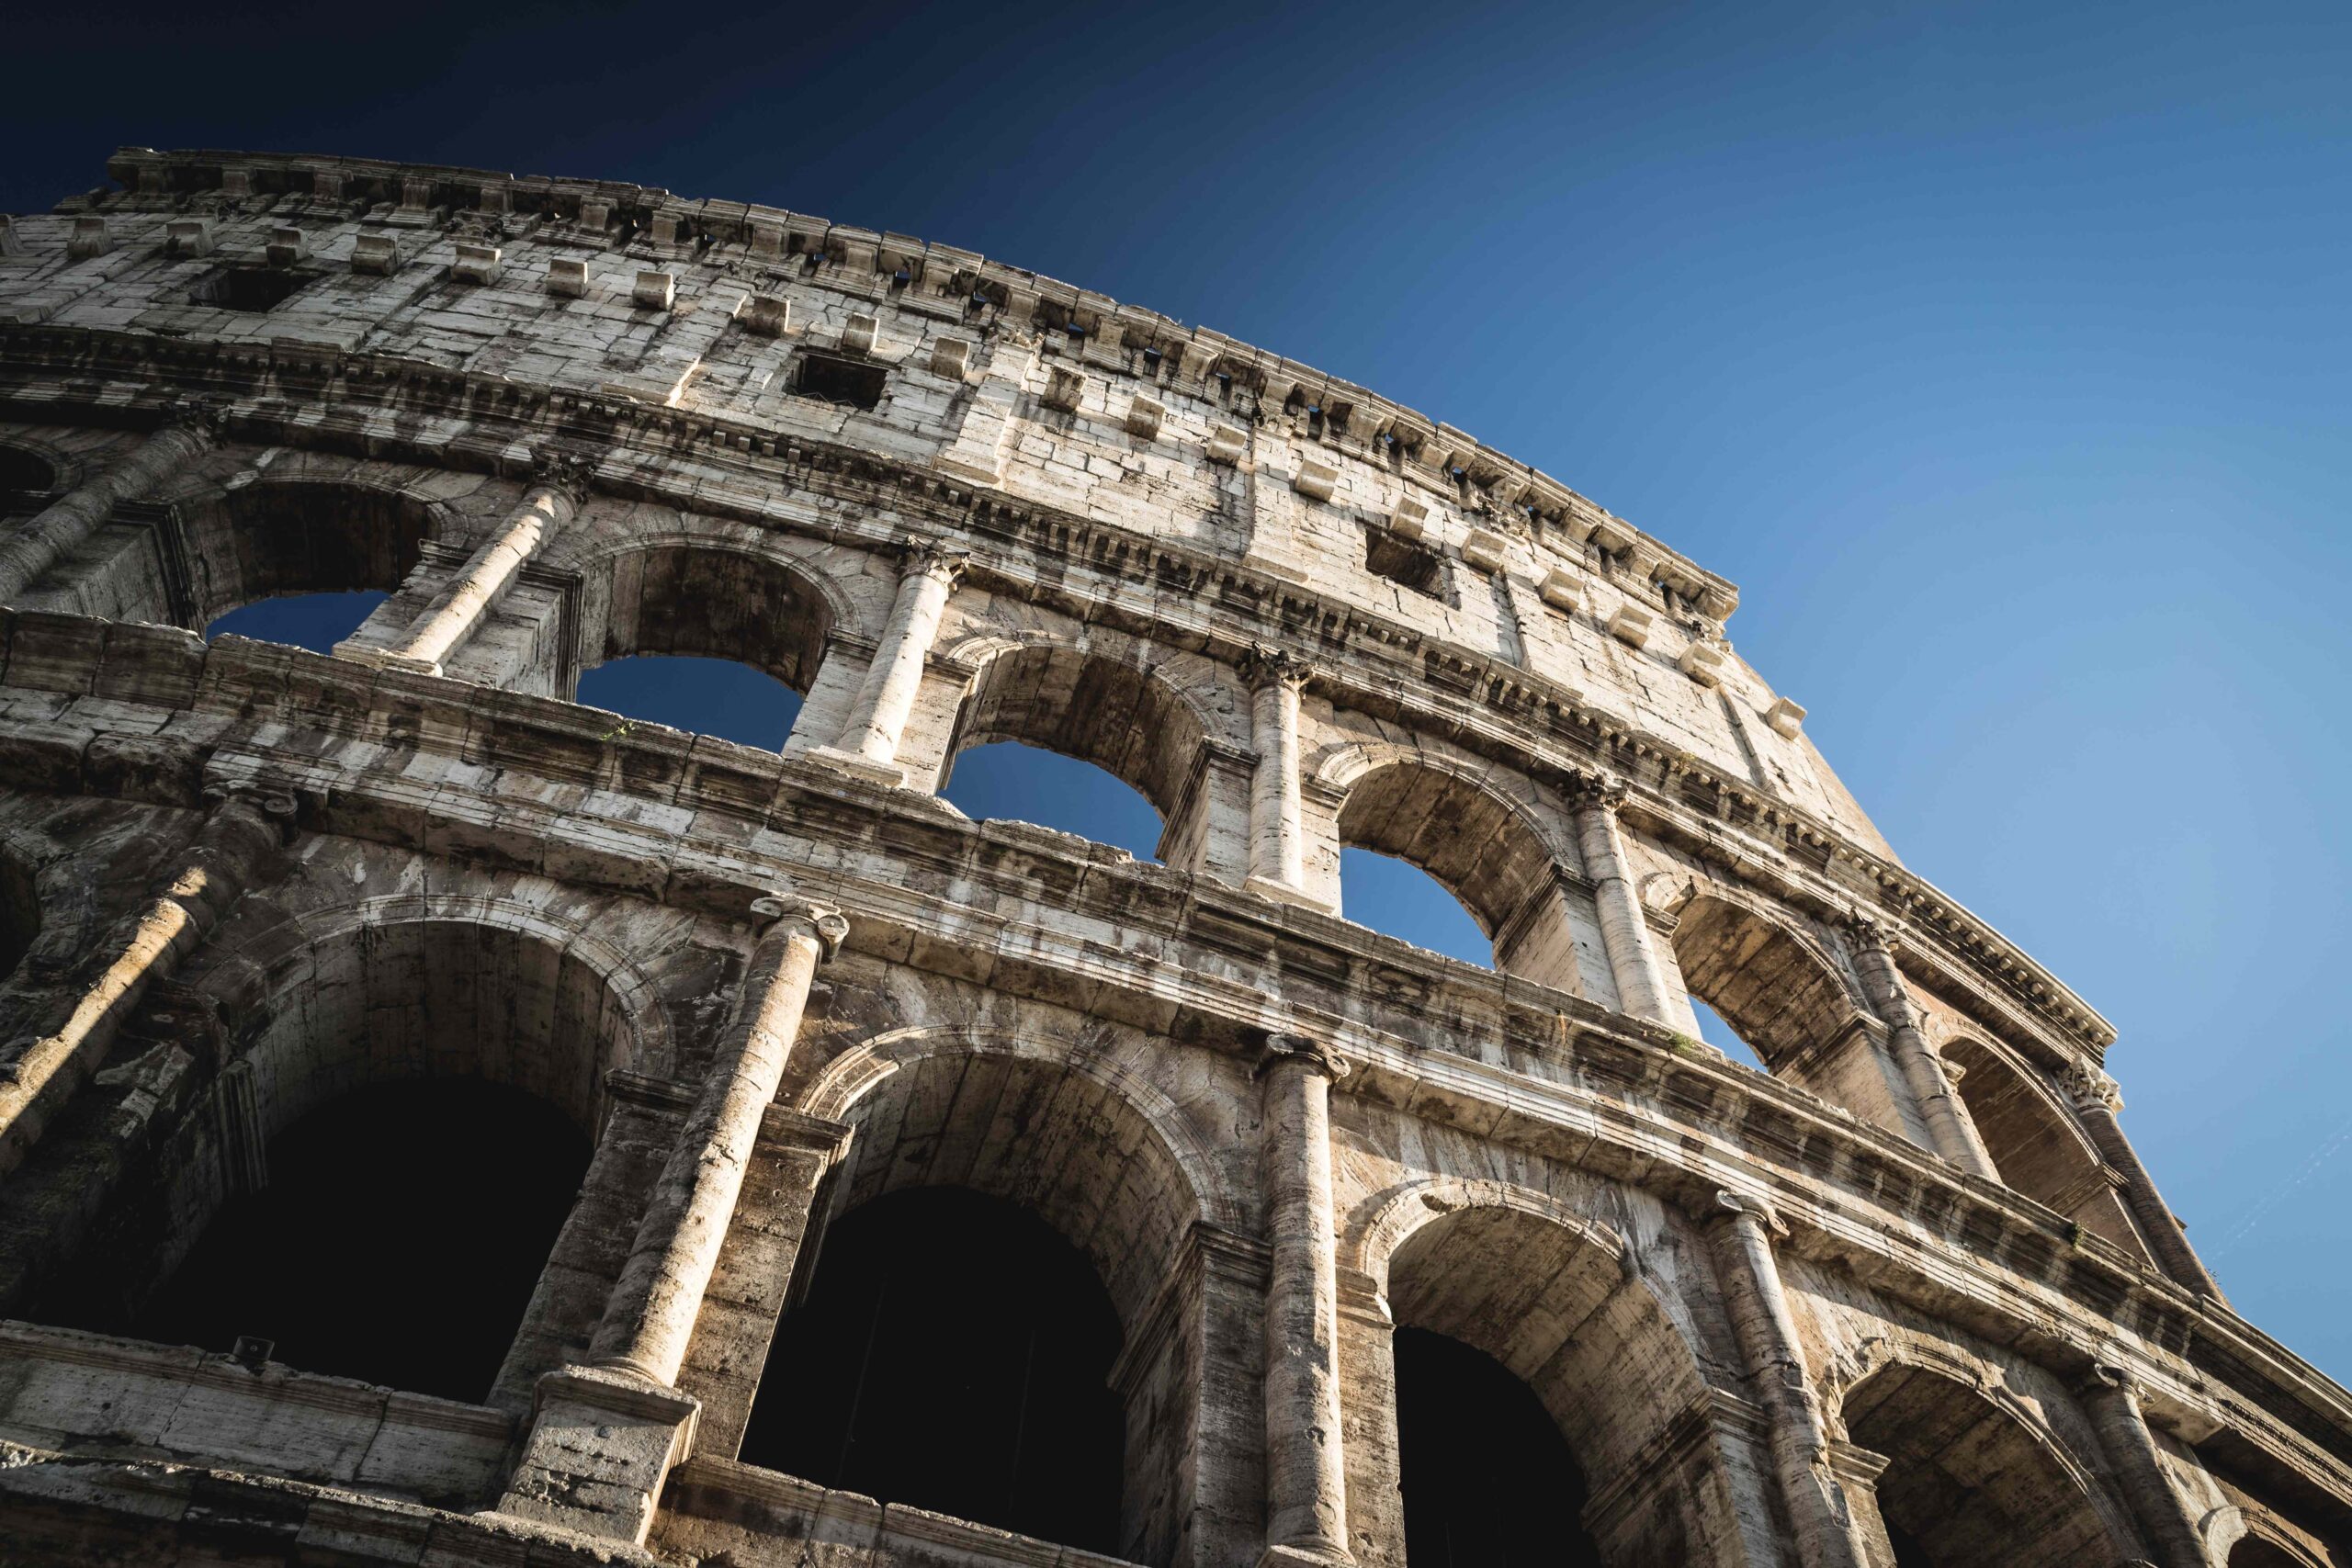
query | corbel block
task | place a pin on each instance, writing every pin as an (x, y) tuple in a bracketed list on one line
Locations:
[(1703, 662), (189, 237), (1315, 479), (596, 216), (1144, 416), (665, 229), (91, 237), (236, 180), (477, 264), (287, 246), (858, 333), (1630, 626), (767, 239), (1482, 549), (1411, 518), (770, 315), (379, 253), (1785, 718), (654, 290), (1064, 388), (1226, 443), (950, 357), (1560, 589), (567, 278), (1613, 537), (855, 248)]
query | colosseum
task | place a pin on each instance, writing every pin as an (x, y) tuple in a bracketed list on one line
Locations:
[(1209, 1228)]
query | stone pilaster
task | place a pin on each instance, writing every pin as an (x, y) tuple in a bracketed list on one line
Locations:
[(2096, 1099), (1624, 930), (869, 741), (188, 431), (223, 860), (1823, 1525), (1950, 1132), (488, 573), (2112, 1401), (604, 1435), (1306, 1494), (1277, 830)]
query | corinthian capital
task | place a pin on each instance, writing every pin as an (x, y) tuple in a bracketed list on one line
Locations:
[(207, 418), (1266, 664), (2090, 1089), (1602, 792), (930, 558), (566, 472)]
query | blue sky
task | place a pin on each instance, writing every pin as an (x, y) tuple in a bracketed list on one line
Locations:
[(2000, 355)]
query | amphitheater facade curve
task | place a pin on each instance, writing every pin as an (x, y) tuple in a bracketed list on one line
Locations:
[(1906, 1297)]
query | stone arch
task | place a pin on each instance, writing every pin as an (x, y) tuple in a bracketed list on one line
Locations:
[(1560, 1300), (1776, 986), (2037, 1146), (307, 529), (1075, 1135), (1456, 819), (36, 467), (1973, 1475), (699, 593), (2239, 1537), (1127, 707)]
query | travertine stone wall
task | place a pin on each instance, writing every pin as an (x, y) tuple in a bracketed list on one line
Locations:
[(1906, 1295)]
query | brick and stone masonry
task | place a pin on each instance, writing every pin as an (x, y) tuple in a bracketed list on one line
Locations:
[(1906, 1297)]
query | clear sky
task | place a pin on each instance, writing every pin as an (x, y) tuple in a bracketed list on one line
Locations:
[(1998, 353)]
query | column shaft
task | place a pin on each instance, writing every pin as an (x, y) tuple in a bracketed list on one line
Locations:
[(1826, 1536), (65, 522), (2131, 1449), (878, 718), (1624, 930), (1277, 849), (2096, 1100), (1306, 1503), (650, 1317), (485, 579), (223, 861), (1949, 1129)]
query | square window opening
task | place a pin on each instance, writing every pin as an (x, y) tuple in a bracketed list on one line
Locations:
[(834, 379)]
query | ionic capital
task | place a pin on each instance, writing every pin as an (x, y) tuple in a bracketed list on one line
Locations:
[(798, 915), (928, 558), (566, 473), (2106, 1377), (1265, 664), (1731, 1205), (1309, 1053), (277, 807)]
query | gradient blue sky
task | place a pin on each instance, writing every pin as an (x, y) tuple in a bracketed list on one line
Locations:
[(1999, 354)]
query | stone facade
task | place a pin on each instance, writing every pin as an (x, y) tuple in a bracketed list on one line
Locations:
[(1906, 1298)]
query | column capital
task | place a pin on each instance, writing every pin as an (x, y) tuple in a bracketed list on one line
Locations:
[(568, 473), (1730, 1205), (2089, 1087), (1603, 792), (2106, 1377), (934, 558), (1869, 932), (1265, 664), (275, 806), (1309, 1053), (206, 418), (796, 914)]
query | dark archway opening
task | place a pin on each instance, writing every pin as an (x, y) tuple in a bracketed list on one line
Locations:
[(701, 696), (1488, 1481), (398, 1239), (303, 540), (952, 1354), (2253, 1552), (19, 913), (25, 471)]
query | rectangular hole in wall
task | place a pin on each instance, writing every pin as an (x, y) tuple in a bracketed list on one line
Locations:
[(1389, 555), (245, 287), (839, 380)]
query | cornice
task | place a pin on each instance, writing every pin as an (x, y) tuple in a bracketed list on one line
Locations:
[(273, 386)]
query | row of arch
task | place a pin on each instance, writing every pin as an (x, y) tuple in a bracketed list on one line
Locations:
[(1174, 727), (1524, 1409)]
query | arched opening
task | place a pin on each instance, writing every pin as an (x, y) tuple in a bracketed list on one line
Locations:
[(25, 472), (710, 602), (1776, 994), (1967, 1483), (1399, 899), (701, 696), (315, 621), (19, 912), (1487, 1478), (1118, 717), (2253, 1552), (388, 1077), (954, 1354), (1725, 1038), (1555, 1312), (2036, 1147), (371, 1253), (1486, 855), (349, 545), (1047, 1196)]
